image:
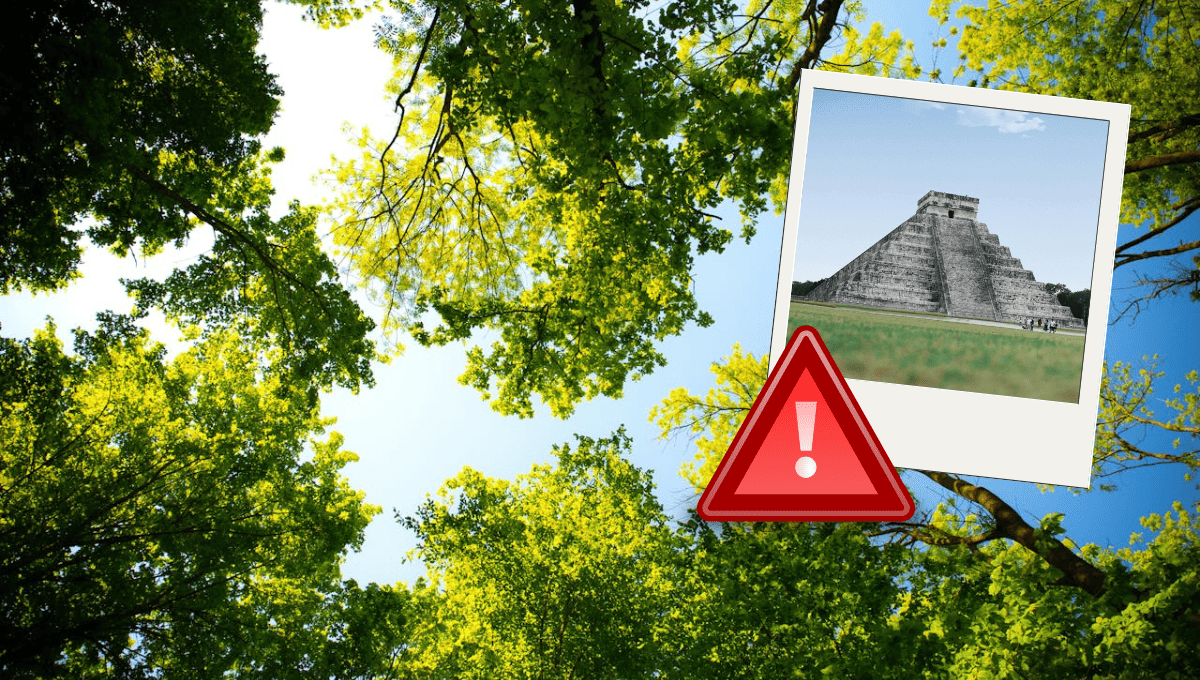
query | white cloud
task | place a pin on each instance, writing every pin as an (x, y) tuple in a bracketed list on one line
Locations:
[(1004, 121), (933, 105)]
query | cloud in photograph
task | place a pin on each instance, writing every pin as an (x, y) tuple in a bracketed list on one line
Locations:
[(921, 107), (1004, 121)]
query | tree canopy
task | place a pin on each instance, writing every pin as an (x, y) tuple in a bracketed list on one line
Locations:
[(105, 106), (564, 573), (975, 590), (149, 506), (133, 122), (554, 169), (574, 570), (566, 216), (553, 174), (180, 514)]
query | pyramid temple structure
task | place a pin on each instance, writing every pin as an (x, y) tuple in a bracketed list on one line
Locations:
[(943, 260)]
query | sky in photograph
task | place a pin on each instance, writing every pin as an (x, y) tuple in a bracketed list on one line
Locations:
[(870, 158), (419, 426)]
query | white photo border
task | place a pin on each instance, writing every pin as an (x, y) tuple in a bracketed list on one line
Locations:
[(923, 428)]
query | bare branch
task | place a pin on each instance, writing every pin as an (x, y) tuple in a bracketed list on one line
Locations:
[(1188, 207), (1182, 277)]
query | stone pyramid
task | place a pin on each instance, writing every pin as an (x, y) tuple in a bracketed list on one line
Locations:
[(943, 260)]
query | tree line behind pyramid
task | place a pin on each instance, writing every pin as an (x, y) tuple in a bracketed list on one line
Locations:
[(943, 260)]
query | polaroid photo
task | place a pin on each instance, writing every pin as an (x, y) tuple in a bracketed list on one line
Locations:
[(953, 246)]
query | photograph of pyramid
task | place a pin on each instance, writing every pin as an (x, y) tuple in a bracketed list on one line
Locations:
[(928, 295), (943, 260)]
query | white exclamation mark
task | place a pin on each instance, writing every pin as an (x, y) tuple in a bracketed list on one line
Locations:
[(806, 420)]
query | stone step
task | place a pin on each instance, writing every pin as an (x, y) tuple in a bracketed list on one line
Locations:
[(880, 270), (890, 304), (889, 283), (1006, 274), (1035, 310), (964, 268)]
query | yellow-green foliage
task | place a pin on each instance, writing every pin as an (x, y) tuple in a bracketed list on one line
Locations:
[(713, 420), (910, 350)]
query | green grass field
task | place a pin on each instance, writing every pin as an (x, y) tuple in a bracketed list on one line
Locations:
[(957, 356)]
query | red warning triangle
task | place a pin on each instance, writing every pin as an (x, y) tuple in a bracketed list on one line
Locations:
[(806, 452)]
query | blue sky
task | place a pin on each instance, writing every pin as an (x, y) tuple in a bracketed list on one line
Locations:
[(870, 158), (419, 426)]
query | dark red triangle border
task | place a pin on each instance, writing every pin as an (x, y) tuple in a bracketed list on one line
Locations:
[(720, 503)]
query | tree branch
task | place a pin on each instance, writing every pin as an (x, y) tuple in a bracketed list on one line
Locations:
[(1144, 255), (1168, 129), (1161, 286), (1009, 524), (227, 229), (1162, 160), (1188, 207), (829, 13)]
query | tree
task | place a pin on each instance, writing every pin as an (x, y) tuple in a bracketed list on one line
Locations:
[(985, 592), (564, 573), (132, 122), (149, 506), (1079, 302), (1007, 597), (291, 299), (289, 629), (1128, 409), (106, 109), (554, 169), (802, 288), (1057, 289), (786, 599), (172, 517), (712, 421), (1140, 53)]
